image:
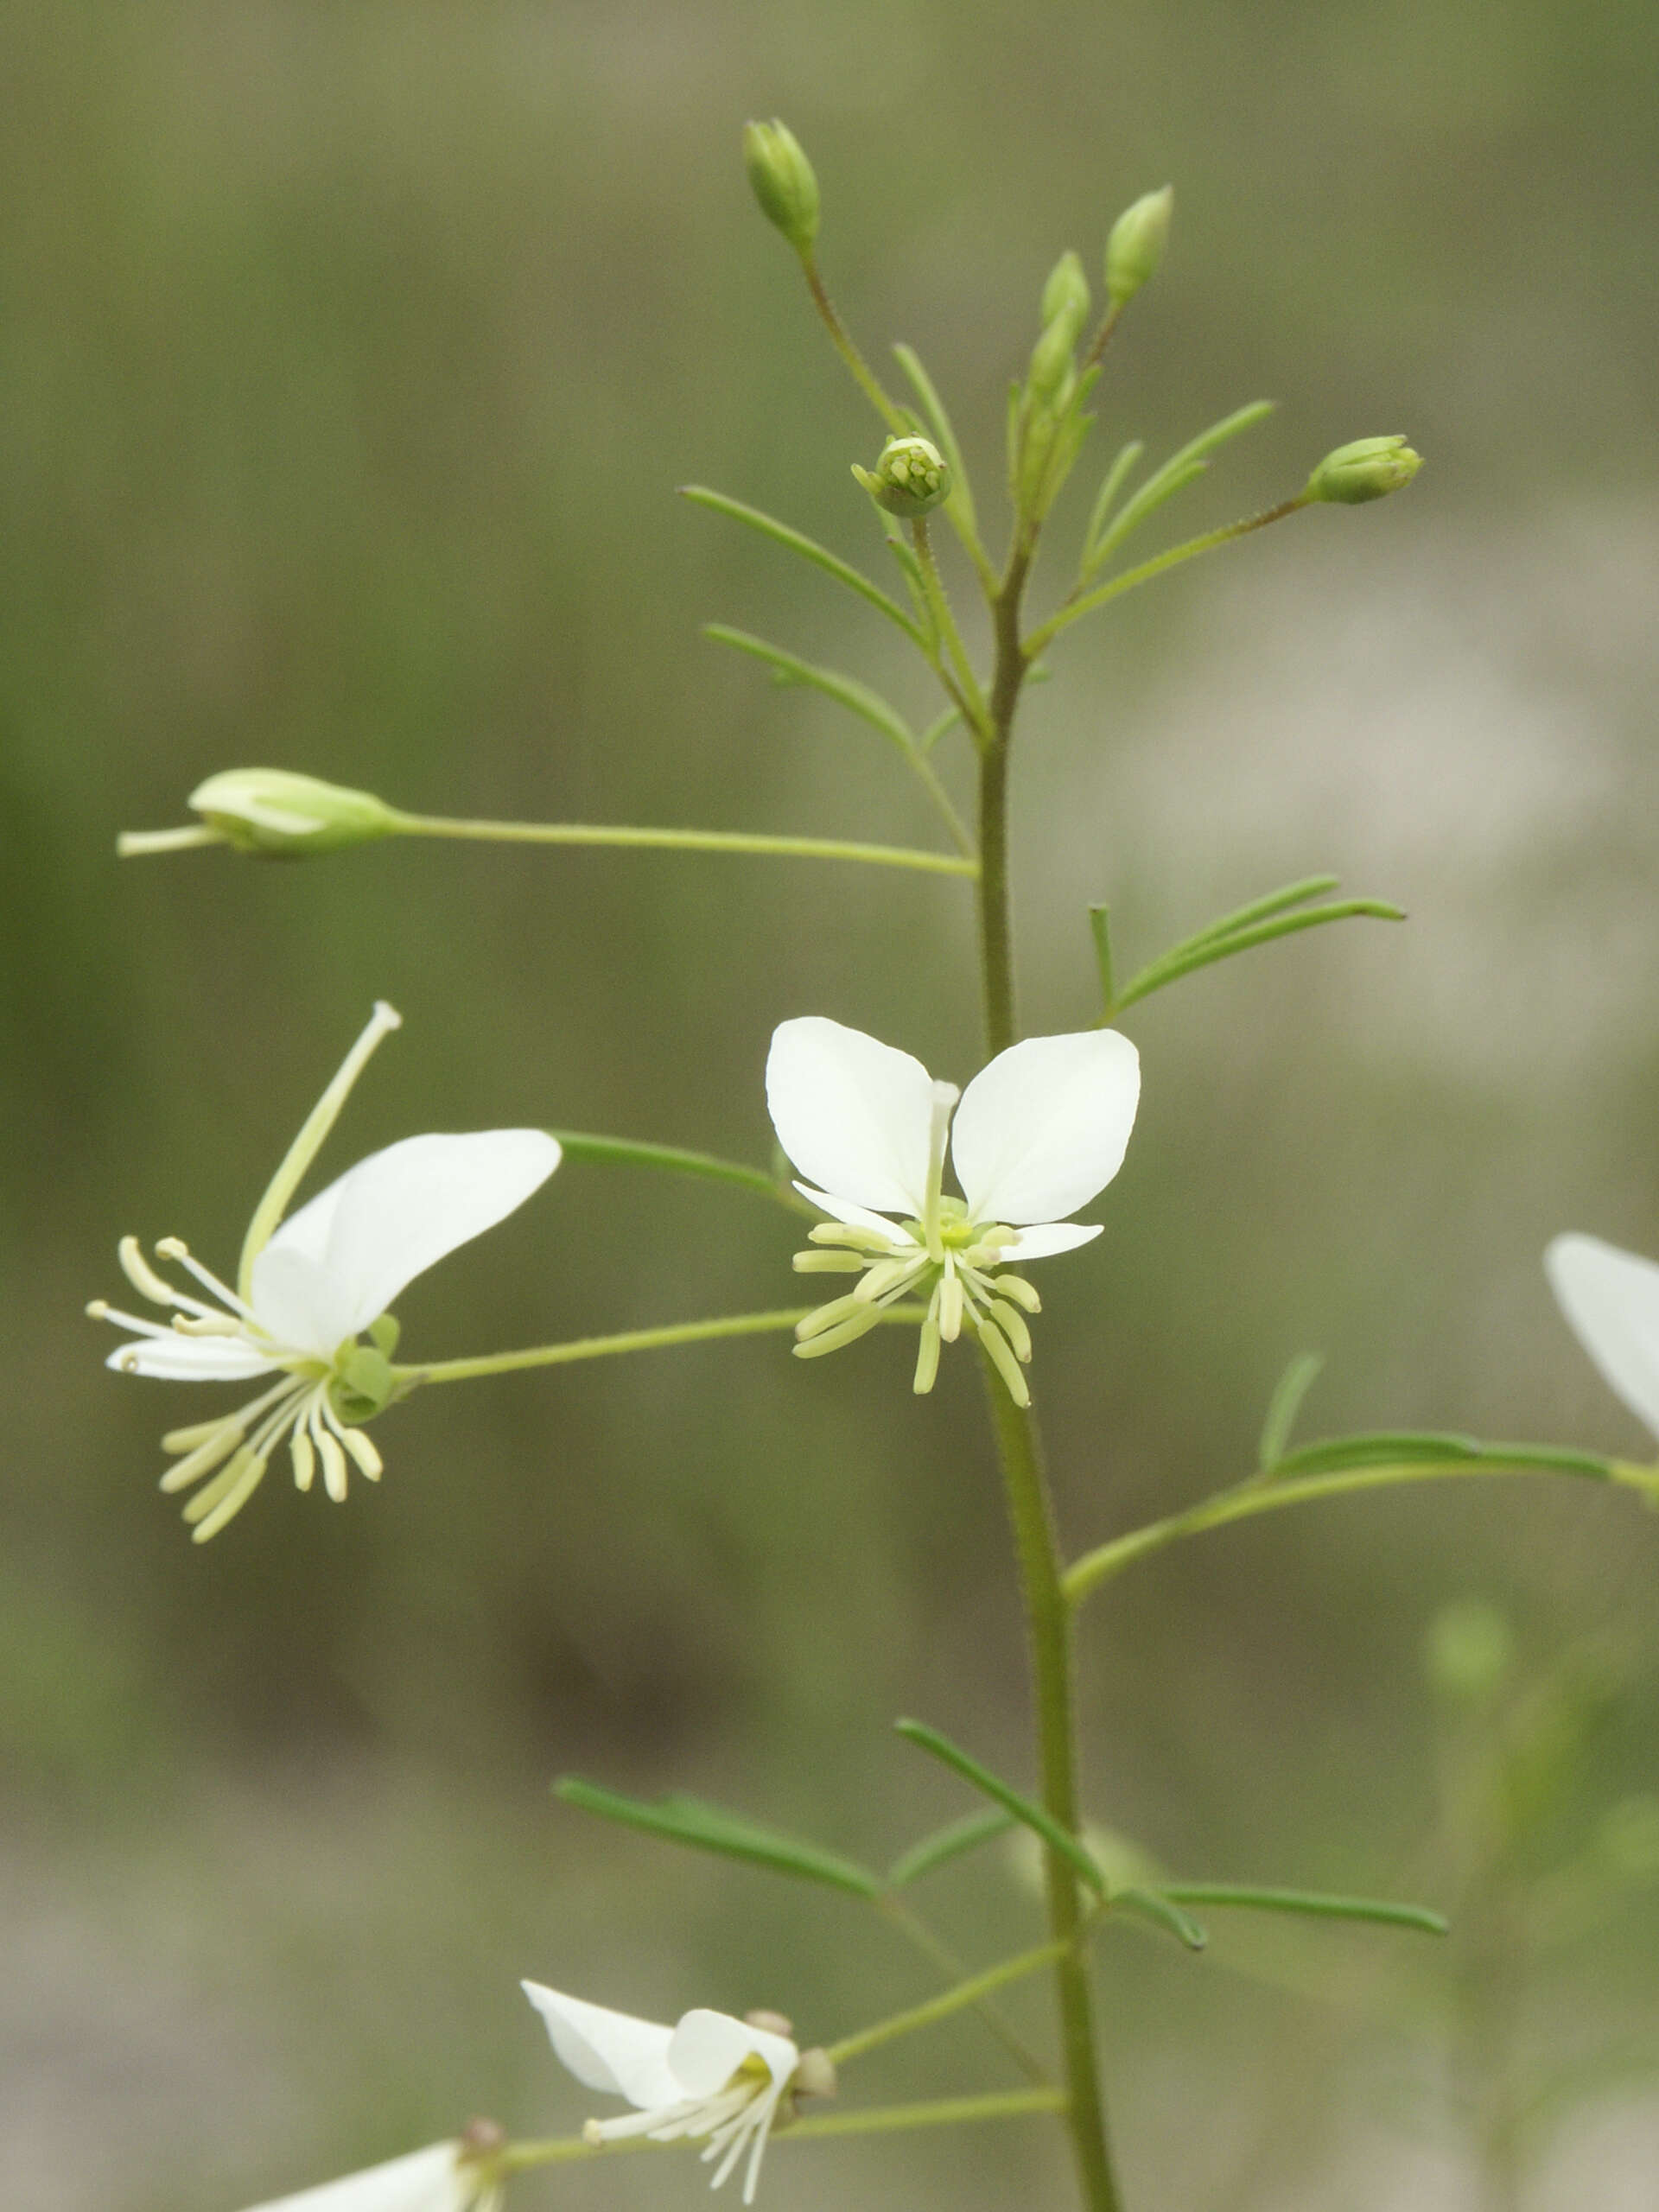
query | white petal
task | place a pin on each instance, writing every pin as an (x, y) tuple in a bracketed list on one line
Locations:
[(708, 2048), (855, 1217), (426, 2180), (609, 2050), (1612, 1300), (340, 1261), (1046, 1125), (189, 1359), (1047, 1238), (852, 1114)]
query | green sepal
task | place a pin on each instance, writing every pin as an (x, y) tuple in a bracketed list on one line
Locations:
[(1310, 1903), (362, 1384), (385, 1334), (703, 1826), (1285, 1404), (1023, 1809), (946, 1844)]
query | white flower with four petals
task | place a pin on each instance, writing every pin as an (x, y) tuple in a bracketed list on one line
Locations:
[(709, 2075), (1036, 1135), (306, 1292)]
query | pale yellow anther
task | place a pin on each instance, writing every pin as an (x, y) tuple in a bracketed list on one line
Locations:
[(362, 1450), (304, 1458), (142, 1277), (172, 1247)]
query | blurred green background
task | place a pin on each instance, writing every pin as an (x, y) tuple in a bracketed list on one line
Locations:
[(349, 356)]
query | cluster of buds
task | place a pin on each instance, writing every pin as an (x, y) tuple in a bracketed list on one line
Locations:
[(911, 477)]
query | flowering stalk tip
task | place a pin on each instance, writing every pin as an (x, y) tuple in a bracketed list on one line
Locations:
[(911, 477)]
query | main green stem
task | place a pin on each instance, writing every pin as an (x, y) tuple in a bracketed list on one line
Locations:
[(1048, 1617)]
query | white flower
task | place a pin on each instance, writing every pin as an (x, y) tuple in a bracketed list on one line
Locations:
[(437, 2179), (1611, 1299), (307, 1290), (1037, 1133), (709, 2075)]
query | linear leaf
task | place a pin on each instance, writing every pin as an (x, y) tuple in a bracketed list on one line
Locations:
[(1184, 960), (1158, 1908), (1285, 1404), (1177, 472), (706, 1828), (946, 1844), (1313, 1903), (808, 548), (935, 730), (846, 691), (1122, 462), (1023, 1809), (1377, 1448), (1261, 910), (961, 498), (623, 1152)]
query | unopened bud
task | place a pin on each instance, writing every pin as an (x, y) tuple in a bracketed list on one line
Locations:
[(1135, 245), (269, 810), (911, 479), (773, 2024), (1370, 468), (783, 181), (816, 2074), (1468, 1650), (1065, 296)]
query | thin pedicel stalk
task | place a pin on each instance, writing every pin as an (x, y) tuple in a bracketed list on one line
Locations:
[(1048, 1617), (683, 841), (561, 1355)]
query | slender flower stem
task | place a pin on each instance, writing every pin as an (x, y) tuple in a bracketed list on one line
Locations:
[(1048, 1617), (933, 584), (877, 2119), (1244, 1500), (680, 1332), (949, 2001), (841, 340), (684, 840), (1226, 535)]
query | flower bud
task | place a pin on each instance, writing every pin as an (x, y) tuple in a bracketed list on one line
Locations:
[(911, 477), (1135, 245), (1065, 296), (1370, 468), (816, 2074), (269, 810), (783, 181), (1468, 1650)]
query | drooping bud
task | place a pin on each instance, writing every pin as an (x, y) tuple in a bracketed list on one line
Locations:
[(783, 181), (911, 477), (1468, 1650), (1370, 468), (1135, 247), (271, 812)]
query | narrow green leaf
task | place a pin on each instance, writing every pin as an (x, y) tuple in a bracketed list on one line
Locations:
[(1313, 1903), (808, 548), (1184, 960), (1100, 922), (846, 691), (946, 1844), (1122, 462), (1378, 1448), (961, 497), (1285, 1404), (706, 1828), (1177, 472), (1261, 910), (1023, 1809), (623, 1152), (935, 730), (1160, 1910)]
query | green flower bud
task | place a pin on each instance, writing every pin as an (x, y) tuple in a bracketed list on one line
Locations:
[(269, 810), (1065, 296), (911, 477), (1135, 245), (1468, 1650), (1370, 468), (783, 181)]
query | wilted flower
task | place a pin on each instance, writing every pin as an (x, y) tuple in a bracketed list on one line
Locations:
[(1037, 1133), (306, 1293), (709, 2075), (437, 2179), (1611, 1299)]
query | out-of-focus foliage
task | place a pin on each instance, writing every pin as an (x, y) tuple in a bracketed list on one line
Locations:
[(348, 359)]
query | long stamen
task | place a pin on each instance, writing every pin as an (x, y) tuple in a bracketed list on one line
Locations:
[(186, 1439), (100, 1309), (360, 1447), (927, 1352), (306, 1146), (226, 1436), (945, 1096), (174, 1248), (333, 1459), (950, 1300), (143, 1278), (827, 1263)]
